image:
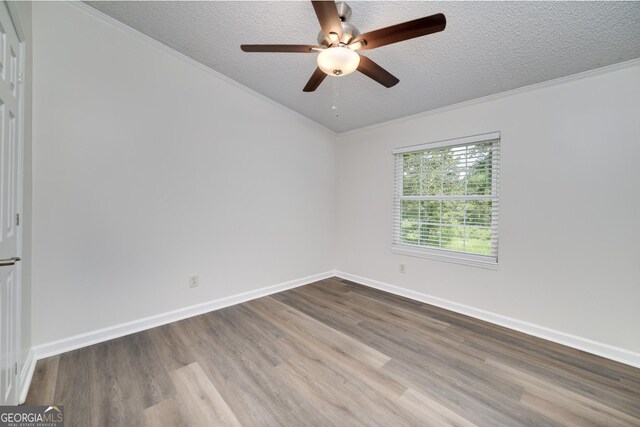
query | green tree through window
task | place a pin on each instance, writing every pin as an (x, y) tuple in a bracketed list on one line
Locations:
[(447, 198)]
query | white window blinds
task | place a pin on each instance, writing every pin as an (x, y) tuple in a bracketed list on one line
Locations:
[(446, 200)]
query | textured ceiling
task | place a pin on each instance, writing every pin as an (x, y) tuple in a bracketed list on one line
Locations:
[(487, 47)]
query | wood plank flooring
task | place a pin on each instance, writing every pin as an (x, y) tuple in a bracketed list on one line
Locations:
[(336, 353)]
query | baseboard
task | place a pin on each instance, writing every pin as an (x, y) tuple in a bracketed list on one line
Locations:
[(26, 373), (93, 337), (86, 339), (600, 349)]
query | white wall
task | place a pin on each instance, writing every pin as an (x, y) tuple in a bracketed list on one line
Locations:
[(570, 202), (148, 168)]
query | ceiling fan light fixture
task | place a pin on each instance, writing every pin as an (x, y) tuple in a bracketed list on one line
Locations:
[(338, 61), (338, 41)]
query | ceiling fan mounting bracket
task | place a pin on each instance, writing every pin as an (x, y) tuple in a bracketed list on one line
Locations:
[(344, 11)]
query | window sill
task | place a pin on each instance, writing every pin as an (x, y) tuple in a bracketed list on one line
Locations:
[(447, 256)]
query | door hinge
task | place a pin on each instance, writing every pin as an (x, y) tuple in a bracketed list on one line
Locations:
[(16, 369), (20, 78), (17, 219)]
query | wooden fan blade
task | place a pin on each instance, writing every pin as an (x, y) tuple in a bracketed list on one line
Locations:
[(315, 80), (299, 48), (405, 31), (328, 17), (376, 72)]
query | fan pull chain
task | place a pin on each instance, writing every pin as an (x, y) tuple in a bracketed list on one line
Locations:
[(334, 107)]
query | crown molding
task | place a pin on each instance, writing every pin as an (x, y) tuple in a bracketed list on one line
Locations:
[(114, 23), (524, 89), (549, 83)]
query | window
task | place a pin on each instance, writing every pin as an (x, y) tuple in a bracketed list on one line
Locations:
[(446, 200)]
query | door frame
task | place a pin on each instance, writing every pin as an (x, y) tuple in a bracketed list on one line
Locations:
[(15, 19)]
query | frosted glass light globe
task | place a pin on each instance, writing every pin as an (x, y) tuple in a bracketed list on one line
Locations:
[(338, 61)]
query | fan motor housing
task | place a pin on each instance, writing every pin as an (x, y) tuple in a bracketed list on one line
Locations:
[(349, 32)]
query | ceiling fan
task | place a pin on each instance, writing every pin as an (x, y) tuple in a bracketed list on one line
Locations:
[(339, 40)]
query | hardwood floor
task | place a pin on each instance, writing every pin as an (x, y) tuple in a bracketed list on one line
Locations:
[(336, 353)]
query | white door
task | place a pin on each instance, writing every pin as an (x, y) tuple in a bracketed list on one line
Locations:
[(9, 199)]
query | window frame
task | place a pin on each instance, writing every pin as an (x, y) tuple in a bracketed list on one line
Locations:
[(448, 255)]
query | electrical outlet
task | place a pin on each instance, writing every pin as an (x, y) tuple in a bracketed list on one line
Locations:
[(194, 281), (403, 268)]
